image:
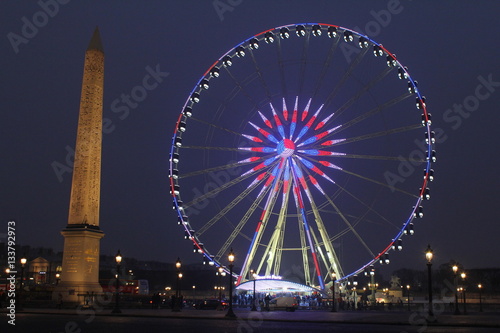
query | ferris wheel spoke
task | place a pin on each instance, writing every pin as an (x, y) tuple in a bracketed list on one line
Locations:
[(227, 208), (346, 75), (331, 262), (210, 148), (298, 180), (319, 251), (374, 111), (379, 157), (262, 224), (325, 163), (345, 231), (219, 189), (275, 244), (374, 135), (281, 66), (303, 243), (326, 64), (380, 183), (303, 63), (364, 89), (215, 126), (224, 167), (369, 208), (237, 230), (242, 88), (350, 226), (261, 78)]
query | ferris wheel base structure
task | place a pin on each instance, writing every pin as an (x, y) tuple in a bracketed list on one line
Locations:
[(276, 286)]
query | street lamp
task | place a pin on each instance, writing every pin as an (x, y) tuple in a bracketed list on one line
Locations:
[(176, 306), (230, 258), (334, 277), (7, 271), (455, 271), (480, 287), (58, 274), (428, 255), (355, 293), (23, 262), (118, 259), (220, 273), (254, 276), (408, 289), (372, 284), (194, 294), (463, 276)]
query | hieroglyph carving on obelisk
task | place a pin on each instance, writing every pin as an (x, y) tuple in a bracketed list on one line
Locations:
[(85, 188)]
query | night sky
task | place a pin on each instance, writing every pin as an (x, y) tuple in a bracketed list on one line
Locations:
[(450, 48)]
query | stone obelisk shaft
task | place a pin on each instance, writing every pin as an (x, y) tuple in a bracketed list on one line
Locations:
[(85, 189)]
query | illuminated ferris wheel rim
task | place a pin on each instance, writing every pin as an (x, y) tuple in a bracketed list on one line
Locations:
[(283, 32)]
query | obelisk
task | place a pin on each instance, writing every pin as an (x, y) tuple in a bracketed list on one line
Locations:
[(82, 235)]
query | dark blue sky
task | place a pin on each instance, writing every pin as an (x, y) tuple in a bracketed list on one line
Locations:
[(450, 47)]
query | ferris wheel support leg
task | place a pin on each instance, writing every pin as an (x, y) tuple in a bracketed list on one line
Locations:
[(332, 261), (306, 228), (271, 200)]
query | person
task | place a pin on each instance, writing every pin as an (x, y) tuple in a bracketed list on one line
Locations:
[(266, 301), (155, 301), (59, 301)]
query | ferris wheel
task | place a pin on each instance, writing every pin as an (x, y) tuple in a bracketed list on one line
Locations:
[(302, 148)]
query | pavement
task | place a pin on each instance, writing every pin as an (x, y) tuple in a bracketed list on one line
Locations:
[(414, 318)]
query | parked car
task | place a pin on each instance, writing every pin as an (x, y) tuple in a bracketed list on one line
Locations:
[(213, 304), (287, 303)]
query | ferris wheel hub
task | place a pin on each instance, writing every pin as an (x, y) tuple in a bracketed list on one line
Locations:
[(286, 148)]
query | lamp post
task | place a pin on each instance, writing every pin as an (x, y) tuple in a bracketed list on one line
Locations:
[(463, 276), (176, 306), (372, 286), (58, 277), (23, 262), (455, 270), (7, 271), (355, 283), (408, 290), (194, 294), (230, 257), (480, 287), (254, 276), (429, 255), (334, 277), (118, 259), (220, 272)]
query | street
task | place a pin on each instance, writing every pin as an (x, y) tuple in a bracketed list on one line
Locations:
[(66, 323)]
